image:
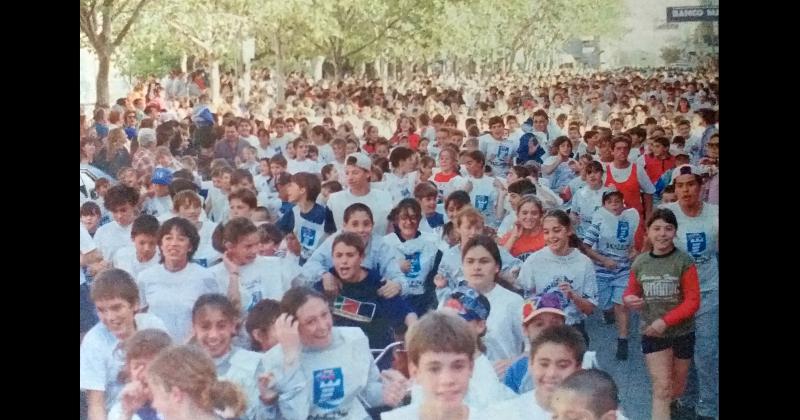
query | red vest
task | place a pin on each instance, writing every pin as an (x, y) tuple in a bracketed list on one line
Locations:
[(656, 167), (631, 193)]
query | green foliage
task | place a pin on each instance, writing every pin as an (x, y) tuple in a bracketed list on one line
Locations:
[(670, 55)]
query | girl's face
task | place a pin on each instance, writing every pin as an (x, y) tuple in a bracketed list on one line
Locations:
[(556, 235), (290, 151), (443, 376), (452, 208), (90, 221), (425, 172), (124, 214), (245, 250), (447, 161), (213, 331), (480, 268), (175, 246), (565, 148), (360, 224), (408, 223), (347, 262), (190, 213), (594, 179), (529, 216), (351, 148), (551, 364), (661, 235), (315, 323), (614, 205), (338, 151), (405, 124)]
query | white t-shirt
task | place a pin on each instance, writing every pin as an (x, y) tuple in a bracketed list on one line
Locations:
[(411, 412), (257, 281), (483, 197), (543, 271), (111, 237), (87, 246), (380, 202), (294, 166), (281, 142), (125, 259), (621, 175), (698, 236), (261, 183), (521, 407), (504, 338), (584, 204), (171, 296), (206, 255), (268, 152), (219, 205), (400, 187), (158, 206), (499, 154), (420, 252), (101, 360), (326, 155)]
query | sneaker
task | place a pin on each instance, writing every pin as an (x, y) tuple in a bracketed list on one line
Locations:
[(608, 317), (622, 349)]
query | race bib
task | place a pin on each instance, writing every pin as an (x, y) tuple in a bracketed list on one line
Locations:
[(623, 230), (481, 202), (696, 243), (328, 388), (307, 236)]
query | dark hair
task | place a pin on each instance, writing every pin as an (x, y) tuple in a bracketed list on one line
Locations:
[(283, 179), (635, 131), (326, 170), (477, 156), (496, 120), (669, 189), (565, 335), (597, 387), (233, 231), (460, 197), (522, 187), (662, 141), (594, 166), (183, 174), (612, 193), (180, 184), (663, 214), (621, 139), (144, 225), (399, 154), (356, 207), (425, 189), (119, 195), (521, 171), (487, 242), (185, 228), (310, 182), (241, 174), (296, 297), (350, 239), (278, 160), (332, 186), (90, 208), (245, 196), (115, 283), (262, 316), (218, 301), (410, 205), (563, 219), (269, 233)]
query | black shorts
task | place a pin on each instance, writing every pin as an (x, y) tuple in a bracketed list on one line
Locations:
[(682, 346)]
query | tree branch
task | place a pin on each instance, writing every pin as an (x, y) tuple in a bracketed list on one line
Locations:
[(128, 24), (87, 27), (376, 39), (205, 46), (120, 9)]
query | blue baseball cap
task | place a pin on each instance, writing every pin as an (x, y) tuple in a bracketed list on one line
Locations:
[(161, 176)]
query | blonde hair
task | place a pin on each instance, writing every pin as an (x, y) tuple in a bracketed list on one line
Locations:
[(468, 213), (189, 369), (440, 332), (115, 140)]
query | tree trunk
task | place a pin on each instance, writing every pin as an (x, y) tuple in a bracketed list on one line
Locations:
[(215, 82), (378, 67), (362, 68), (280, 83), (184, 62), (103, 68), (246, 88), (316, 65)]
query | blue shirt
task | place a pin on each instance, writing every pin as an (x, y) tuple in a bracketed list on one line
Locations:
[(378, 314), (435, 220)]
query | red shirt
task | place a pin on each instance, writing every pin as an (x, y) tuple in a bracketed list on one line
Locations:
[(655, 167), (526, 243)]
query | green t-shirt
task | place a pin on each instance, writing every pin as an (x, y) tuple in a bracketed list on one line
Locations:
[(660, 278)]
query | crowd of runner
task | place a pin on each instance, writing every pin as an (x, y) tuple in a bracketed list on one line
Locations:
[(428, 248)]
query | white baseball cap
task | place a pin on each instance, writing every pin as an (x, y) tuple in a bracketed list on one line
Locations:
[(362, 160)]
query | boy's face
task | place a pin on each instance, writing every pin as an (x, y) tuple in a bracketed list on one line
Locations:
[(190, 213), (267, 249), (263, 139), (551, 364), (265, 337), (90, 221), (360, 224), (357, 177), (338, 151), (124, 214), (425, 171), (264, 168), (669, 197), (280, 130), (276, 169), (248, 155), (243, 184), (294, 193), (658, 149), (469, 229), (239, 209), (145, 244), (382, 150), (541, 322), (428, 204), (474, 167), (351, 148), (161, 190), (444, 377), (101, 191), (301, 150), (117, 315), (568, 404), (497, 130), (244, 130), (347, 262), (283, 192)]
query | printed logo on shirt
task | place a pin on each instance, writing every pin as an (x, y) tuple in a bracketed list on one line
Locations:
[(328, 388), (201, 261), (255, 298), (415, 267), (481, 202), (524, 256), (405, 193), (623, 230), (353, 309), (664, 286), (696, 243), (502, 153), (307, 236)]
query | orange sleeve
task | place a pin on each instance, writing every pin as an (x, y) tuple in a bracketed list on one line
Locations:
[(690, 285), (634, 287)]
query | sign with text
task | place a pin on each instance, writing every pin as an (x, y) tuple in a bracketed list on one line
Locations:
[(692, 14)]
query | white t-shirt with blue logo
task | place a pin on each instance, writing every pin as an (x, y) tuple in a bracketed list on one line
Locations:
[(612, 237), (420, 252), (499, 154), (484, 198), (261, 279), (400, 187), (698, 237), (310, 228), (585, 203)]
